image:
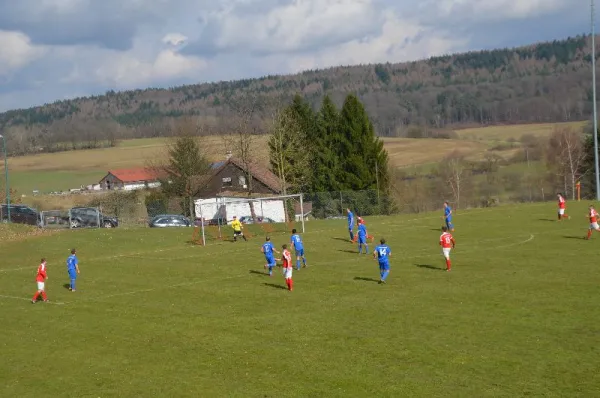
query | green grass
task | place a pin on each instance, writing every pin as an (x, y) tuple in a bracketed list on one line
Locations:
[(154, 316)]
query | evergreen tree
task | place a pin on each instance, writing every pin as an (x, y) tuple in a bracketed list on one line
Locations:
[(325, 158), (363, 161), (185, 165)]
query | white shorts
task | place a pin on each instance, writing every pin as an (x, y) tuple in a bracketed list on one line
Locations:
[(446, 252), (561, 212), (41, 285), (595, 226), (287, 273)]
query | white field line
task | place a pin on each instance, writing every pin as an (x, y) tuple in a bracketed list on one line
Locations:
[(28, 299)]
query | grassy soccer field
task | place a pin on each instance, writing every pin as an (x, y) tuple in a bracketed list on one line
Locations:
[(154, 316)]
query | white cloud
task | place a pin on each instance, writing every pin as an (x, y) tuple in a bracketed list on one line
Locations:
[(498, 9), (125, 70), (16, 51), (175, 39), (53, 48)]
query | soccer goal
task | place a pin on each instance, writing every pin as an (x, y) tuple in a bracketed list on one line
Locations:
[(260, 216)]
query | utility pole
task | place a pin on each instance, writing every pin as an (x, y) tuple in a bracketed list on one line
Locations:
[(593, 20)]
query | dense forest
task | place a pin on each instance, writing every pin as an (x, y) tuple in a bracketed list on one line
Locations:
[(544, 82)]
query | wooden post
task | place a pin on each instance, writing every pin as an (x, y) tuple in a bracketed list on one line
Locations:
[(578, 187)]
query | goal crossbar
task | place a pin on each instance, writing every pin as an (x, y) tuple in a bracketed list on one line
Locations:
[(220, 201)]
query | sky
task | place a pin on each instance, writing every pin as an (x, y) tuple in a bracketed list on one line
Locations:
[(59, 49)]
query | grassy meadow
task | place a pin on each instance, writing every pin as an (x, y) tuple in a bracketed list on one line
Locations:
[(65, 170), (155, 316)]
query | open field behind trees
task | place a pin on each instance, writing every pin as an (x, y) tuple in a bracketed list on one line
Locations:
[(63, 170), (517, 315), (514, 132)]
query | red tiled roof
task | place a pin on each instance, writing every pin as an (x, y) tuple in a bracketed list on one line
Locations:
[(135, 175)]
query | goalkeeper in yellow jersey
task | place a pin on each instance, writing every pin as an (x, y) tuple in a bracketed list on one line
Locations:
[(237, 229)]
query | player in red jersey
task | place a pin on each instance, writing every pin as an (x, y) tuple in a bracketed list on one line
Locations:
[(561, 207), (359, 221), (593, 216), (447, 242), (41, 279), (287, 267)]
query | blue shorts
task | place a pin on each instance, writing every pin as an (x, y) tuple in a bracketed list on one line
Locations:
[(270, 261), (362, 240), (72, 274), (384, 266), (300, 252)]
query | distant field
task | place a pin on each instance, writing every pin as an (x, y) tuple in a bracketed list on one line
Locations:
[(61, 171), (65, 170), (408, 152), (505, 133)]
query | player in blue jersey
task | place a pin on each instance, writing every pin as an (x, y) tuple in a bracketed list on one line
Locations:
[(73, 269), (382, 253), (268, 249), (362, 238), (448, 216), (296, 241), (351, 225)]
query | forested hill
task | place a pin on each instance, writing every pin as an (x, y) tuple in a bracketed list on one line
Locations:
[(544, 82)]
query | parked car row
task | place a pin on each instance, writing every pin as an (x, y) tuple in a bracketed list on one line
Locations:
[(81, 217)]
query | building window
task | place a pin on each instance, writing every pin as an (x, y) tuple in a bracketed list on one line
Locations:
[(227, 182), (242, 181)]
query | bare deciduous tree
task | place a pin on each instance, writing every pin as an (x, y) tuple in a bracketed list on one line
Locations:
[(453, 170), (241, 137), (566, 156), (288, 159)]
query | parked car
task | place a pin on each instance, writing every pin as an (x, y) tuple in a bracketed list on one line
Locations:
[(259, 220), (89, 217), (169, 220), (21, 214)]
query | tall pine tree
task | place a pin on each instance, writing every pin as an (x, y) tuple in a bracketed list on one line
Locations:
[(325, 159), (363, 161)]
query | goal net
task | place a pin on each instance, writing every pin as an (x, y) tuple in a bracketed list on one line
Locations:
[(260, 216)]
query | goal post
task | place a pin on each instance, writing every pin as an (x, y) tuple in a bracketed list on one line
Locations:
[(260, 215)]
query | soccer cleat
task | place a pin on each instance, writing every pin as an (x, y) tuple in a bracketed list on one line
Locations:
[(33, 301), (45, 301)]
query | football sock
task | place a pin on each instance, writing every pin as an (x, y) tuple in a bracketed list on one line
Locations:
[(297, 264), (448, 265), (291, 283), (44, 295), (589, 235), (385, 275), (304, 260), (35, 296), (72, 284), (351, 236), (366, 249)]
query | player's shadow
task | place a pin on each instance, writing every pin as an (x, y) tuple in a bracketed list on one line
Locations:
[(258, 272), (342, 239), (546, 219), (274, 286), (362, 278), (348, 251), (574, 237), (67, 286), (428, 266)]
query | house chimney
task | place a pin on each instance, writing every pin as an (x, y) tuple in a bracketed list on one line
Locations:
[(228, 155)]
